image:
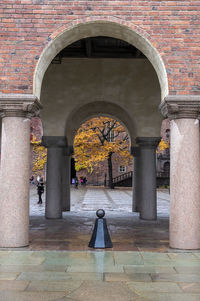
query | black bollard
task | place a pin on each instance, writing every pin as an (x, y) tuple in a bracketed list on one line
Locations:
[(100, 237)]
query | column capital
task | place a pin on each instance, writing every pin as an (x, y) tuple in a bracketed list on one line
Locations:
[(135, 151), (68, 150), (181, 106), (148, 142), (19, 105), (54, 141)]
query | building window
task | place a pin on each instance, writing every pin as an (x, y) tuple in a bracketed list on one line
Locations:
[(122, 168), (111, 136)]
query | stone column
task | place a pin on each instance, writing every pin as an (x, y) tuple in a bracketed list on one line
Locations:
[(183, 112), (136, 179), (66, 178), (16, 111), (148, 199), (55, 151)]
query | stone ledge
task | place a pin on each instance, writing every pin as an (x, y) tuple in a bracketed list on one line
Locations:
[(19, 105), (54, 141), (148, 142), (181, 106)]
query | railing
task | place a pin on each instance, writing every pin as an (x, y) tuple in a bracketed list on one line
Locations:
[(122, 177), (162, 174)]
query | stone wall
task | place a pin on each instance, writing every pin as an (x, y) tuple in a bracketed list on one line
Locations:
[(97, 177)]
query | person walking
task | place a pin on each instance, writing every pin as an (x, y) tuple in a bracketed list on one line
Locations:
[(40, 191)]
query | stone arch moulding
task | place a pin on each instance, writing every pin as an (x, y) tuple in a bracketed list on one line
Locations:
[(111, 27), (94, 109)]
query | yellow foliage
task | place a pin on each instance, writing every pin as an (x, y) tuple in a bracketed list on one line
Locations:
[(40, 155), (163, 145), (92, 143)]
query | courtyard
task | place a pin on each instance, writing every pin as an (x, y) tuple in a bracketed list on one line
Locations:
[(73, 232), (59, 266)]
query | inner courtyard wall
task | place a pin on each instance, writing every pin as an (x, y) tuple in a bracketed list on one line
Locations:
[(77, 83)]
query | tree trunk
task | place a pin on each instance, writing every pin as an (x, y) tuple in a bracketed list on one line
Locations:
[(111, 186)]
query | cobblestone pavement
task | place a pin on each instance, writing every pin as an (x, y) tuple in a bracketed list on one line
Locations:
[(93, 198), (64, 269)]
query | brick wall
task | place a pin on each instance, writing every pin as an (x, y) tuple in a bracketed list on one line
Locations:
[(27, 26), (98, 175)]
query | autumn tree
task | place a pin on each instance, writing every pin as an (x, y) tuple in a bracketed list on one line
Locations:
[(98, 139), (39, 156)]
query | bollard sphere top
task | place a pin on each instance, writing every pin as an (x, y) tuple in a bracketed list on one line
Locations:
[(100, 213)]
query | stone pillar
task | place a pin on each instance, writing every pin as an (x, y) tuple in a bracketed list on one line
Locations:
[(66, 178), (16, 111), (148, 199), (183, 112), (136, 180), (55, 151)]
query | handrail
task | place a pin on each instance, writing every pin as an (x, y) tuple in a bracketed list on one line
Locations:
[(122, 177), (163, 174)]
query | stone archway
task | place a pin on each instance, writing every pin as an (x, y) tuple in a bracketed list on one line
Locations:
[(98, 108), (77, 109), (100, 28)]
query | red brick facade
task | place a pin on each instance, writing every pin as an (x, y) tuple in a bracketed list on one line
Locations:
[(97, 177), (27, 26)]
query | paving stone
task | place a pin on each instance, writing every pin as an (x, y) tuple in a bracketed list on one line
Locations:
[(54, 286), (156, 259), (96, 268), (30, 296), (182, 256), (59, 276), (86, 276), (128, 258), (8, 276), (48, 276), (103, 291), (127, 277), (171, 297), (141, 299), (190, 287), (162, 263), (20, 258), (154, 287), (149, 269), (32, 268), (69, 258), (184, 259), (65, 299), (155, 256), (176, 277), (13, 285), (188, 270)]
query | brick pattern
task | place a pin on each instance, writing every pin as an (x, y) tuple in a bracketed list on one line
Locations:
[(97, 177), (27, 26)]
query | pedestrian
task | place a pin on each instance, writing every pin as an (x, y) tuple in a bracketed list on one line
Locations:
[(40, 191), (76, 182), (32, 179)]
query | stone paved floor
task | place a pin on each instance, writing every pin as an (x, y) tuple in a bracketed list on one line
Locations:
[(99, 276), (73, 232), (147, 270)]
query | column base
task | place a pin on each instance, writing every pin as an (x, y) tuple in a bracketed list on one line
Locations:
[(53, 217)]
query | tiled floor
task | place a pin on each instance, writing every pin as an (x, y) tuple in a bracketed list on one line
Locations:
[(73, 232), (99, 276), (59, 266)]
